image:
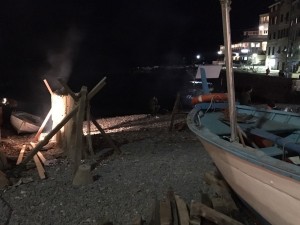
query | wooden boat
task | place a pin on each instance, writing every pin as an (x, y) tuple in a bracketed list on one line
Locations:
[(266, 177), (24, 122), (256, 150)]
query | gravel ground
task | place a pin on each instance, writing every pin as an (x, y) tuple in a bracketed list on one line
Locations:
[(153, 160)]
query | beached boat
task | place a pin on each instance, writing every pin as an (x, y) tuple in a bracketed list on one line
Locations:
[(266, 176), (24, 122), (255, 149)]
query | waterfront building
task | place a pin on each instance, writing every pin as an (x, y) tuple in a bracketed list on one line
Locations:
[(283, 48), (251, 50)]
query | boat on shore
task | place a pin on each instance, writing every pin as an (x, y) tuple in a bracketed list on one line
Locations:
[(265, 170), (255, 149), (24, 122)]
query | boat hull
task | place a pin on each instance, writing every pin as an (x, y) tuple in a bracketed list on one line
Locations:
[(271, 187), (24, 122)]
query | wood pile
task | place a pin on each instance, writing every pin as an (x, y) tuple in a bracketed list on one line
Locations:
[(215, 208)]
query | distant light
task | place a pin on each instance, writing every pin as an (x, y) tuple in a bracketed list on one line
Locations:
[(219, 52), (261, 27), (245, 50), (4, 101), (254, 55), (198, 56)]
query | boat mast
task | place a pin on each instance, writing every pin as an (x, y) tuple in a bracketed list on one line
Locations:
[(225, 5)]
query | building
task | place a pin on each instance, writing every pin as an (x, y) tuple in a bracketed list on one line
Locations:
[(283, 48), (252, 49)]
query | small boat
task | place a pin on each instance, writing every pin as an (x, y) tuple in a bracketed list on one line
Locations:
[(255, 149), (24, 122), (265, 170)]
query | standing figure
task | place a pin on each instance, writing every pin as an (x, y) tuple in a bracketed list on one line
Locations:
[(154, 106), (267, 71)]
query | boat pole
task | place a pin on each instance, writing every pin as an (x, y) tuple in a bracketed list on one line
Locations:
[(225, 5)]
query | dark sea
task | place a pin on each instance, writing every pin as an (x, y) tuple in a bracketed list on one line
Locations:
[(125, 93)]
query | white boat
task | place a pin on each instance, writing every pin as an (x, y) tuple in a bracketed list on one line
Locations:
[(256, 150), (24, 122)]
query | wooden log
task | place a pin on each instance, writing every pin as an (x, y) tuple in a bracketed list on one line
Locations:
[(201, 210), (49, 136), (195, 218), (175, 110), (21, 155), (68, 90), (88, 135), (39, 167), (48, 87), (77, 153), (165, 212), (155, 220), (36, 137), (106, 136), (182, 211), (41, 157), (96, 89)]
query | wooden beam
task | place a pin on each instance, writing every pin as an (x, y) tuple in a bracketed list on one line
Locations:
[(39, 167), (88, 135), (48, 87), (201, 210), (68, 90), (77, 154), (20, 157), (175, 110), (165, 212), (36, 137), (106, 136), (182, 211), (96, 89)]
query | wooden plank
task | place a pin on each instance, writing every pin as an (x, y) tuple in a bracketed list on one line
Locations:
[(155, 213), (48, 87), (88, 136), (78, 148), (182, 211), (201, 210), (41, 157), (165, 212), (68, 89), (195, 218), (39, 167), (175, 110), (36, 137), (96, 89), (20, 157)]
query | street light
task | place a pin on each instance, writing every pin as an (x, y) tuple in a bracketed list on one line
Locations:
[(198, 56)]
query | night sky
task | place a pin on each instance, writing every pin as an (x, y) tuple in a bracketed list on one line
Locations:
[(68, 37)]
